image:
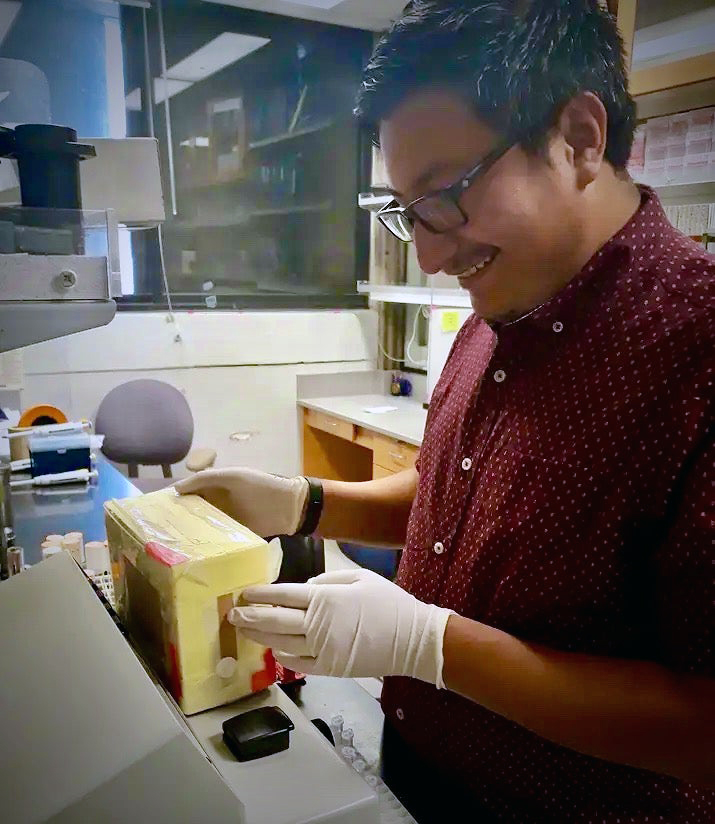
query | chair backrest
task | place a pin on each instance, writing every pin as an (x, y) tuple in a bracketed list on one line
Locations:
[(145, 422)]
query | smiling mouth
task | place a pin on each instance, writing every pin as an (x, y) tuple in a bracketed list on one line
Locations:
[(476, 271)]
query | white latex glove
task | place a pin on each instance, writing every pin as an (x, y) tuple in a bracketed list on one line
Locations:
[(267, 504), (352, 622)]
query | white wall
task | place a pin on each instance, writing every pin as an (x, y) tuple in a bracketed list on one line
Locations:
[(237, 370)]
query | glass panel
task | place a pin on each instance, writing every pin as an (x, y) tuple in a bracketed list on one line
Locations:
[(260, 151)]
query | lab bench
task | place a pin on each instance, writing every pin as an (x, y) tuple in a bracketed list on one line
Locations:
[(354, 430), (41, 511)]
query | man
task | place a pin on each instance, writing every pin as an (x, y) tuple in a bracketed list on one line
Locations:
[(552, 631)]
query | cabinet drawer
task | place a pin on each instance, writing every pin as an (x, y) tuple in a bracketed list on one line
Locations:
[(380, 472), (335, 426), (363, 437), (392, 454)]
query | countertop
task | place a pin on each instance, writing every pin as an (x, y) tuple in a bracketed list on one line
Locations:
[(406, 423)]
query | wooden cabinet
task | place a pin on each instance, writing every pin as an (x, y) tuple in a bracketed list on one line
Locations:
[(340, 450), (380, 472), (328, 423), (393, 455)]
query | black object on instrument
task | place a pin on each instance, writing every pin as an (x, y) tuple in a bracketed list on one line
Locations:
[(48, 160), (257, 733)]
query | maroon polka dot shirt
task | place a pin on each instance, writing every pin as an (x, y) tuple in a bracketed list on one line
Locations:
[(565, 497)]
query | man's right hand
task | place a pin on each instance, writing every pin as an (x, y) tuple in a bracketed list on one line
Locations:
[(267, 504)]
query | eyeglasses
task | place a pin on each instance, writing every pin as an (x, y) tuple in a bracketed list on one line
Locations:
[(438, 211)]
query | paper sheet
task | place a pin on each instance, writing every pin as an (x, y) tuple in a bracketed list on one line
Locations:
[(379, 410)]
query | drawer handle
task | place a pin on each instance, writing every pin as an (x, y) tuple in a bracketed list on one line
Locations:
[(397, 456), (333, 423)]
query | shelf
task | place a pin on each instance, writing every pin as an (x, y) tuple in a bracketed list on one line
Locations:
[(673, 101), (320, 126), (215, 184), (325, 206), (242, 220), (420, 295), (673, 74), (685, 193), (681, 192)]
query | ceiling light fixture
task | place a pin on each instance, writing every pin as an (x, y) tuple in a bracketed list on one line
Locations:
[(215, 55), (218, 53)]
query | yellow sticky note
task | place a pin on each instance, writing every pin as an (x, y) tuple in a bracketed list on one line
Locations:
[(450, 321)]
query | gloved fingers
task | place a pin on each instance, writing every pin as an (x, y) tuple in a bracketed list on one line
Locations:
[(208, 479), (297, 663), (337, 576), (291, 644), (349, 576), (279, 595), (282, 620)]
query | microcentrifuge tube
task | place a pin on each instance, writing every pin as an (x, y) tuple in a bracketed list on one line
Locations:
[(359, 765), (388, 798), (348, 737), (336, 729), (349, 754)]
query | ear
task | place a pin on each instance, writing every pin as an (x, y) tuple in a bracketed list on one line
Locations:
[(583, 123)]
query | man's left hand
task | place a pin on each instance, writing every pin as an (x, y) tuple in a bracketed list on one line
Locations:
[(352, 622)]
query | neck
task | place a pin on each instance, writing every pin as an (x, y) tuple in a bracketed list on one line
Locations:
[(611, 201), (607, 205)]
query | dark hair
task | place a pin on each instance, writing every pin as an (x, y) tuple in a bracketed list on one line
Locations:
[(517, 62)]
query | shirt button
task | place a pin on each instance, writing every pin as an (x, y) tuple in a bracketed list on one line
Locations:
[(500, 376), (438, 548), (467, 464), (400, 714), (558, 326)]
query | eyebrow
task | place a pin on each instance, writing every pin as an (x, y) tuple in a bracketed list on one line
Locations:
[(424, 178)]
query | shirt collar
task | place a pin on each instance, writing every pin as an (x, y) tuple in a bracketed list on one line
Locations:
[(643, 238)]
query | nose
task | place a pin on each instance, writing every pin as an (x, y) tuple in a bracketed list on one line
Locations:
[(433, 251)]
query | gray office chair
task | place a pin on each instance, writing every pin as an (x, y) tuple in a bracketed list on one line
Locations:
[(149, 423)]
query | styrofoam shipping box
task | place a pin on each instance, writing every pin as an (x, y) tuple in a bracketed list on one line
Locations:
[(179, 565)]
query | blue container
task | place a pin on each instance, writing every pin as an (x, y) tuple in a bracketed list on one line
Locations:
[(59, 453), (380, 560)]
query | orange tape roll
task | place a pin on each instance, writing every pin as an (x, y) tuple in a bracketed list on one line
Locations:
[(41, 415)]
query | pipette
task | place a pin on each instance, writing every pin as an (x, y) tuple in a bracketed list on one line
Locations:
[(75, 476)]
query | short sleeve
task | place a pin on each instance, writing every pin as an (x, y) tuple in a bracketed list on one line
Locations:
[(685, 572)]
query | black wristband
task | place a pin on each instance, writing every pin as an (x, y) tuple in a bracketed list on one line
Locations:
[(314, 509)]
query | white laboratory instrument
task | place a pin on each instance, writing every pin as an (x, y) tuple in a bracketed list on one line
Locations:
[(88, 734), (59, 266)]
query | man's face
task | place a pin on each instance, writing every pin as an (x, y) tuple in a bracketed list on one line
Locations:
[(524, 224)]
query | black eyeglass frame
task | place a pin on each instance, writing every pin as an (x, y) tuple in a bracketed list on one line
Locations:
[(452, 193)]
